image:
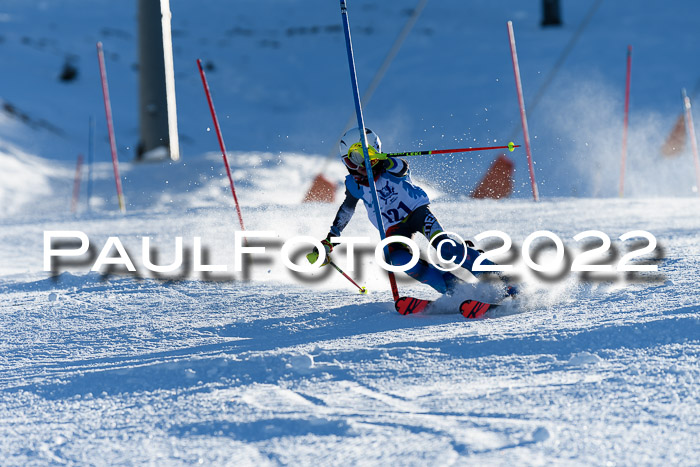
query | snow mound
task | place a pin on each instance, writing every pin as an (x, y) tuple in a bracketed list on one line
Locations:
[(24, 179), (540, 434), (584, 359), (301, 363)]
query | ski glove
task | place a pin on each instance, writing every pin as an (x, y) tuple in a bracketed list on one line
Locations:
[(328, 246)]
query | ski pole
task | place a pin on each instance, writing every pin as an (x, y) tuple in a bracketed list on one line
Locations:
[(362, 289), (313, 257), (382, 155)]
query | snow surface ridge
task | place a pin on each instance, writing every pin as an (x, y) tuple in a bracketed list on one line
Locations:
[(25, 179)]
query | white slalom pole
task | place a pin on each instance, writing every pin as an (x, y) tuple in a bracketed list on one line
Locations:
[(691, 133), (169, 80)]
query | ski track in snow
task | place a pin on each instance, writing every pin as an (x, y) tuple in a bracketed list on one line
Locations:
[(120, 369)]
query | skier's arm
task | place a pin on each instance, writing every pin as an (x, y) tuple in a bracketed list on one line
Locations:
[(396, 167), (345, 212)]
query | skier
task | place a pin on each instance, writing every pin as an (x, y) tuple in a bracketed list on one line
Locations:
[(405, 210)]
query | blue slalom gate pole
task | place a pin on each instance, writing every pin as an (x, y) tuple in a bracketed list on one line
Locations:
[(361, 125), (91, 151)]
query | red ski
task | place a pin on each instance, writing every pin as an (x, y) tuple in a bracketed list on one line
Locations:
[(411, 305), (471, 309)]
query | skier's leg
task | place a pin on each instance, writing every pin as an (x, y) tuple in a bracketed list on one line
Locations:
[(422, 271), (451, 248), (433, 231)]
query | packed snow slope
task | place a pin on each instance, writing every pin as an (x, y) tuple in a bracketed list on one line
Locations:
[(281, 369), (279, 79)]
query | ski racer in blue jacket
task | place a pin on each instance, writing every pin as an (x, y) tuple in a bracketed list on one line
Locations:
[(404, 207)]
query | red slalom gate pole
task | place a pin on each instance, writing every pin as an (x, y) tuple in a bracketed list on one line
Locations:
[(626, 122), (523, 116), (110, 126), (221, 140), (691, 133), (76, 183)]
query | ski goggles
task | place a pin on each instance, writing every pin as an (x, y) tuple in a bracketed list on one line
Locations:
[(355, 157)]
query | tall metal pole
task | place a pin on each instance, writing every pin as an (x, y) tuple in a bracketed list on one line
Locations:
[(173, 140), (157, 112)]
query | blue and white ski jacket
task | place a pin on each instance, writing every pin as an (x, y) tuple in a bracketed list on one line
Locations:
[(398, 197)]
